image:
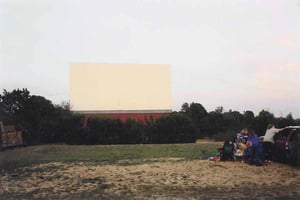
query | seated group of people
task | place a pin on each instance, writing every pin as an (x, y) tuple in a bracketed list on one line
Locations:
[(249, 147)]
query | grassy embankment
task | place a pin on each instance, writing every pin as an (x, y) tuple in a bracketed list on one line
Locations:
[(104, 154)]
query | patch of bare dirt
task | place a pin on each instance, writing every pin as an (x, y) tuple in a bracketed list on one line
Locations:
[(168, 179)]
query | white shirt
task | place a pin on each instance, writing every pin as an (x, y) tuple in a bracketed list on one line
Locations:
[(270, 134)]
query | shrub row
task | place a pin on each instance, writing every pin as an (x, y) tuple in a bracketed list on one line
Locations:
[(43, 122)]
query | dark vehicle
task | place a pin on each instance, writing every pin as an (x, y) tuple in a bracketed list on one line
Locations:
[(287, 146)]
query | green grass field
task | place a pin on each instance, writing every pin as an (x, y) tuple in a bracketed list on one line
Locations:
[(103, 154)]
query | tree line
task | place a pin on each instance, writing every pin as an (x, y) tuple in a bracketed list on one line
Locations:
[(43, 122)]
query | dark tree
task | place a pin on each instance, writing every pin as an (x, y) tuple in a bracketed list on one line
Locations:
[(262, 120), (199, 117), (285, 121), (39, 120), (185, 107), (248, 118), (42, 122), (12, 104)]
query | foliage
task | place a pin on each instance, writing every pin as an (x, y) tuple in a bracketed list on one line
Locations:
[(199, 117), (262, 120), (104, 131), (133, 133), (42, 122), (175, 128), (12, 103), (39, 120)]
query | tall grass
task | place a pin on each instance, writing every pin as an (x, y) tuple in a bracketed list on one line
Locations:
[(101, 154)]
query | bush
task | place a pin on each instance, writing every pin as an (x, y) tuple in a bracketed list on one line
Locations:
[(42, 122), (175, 128)]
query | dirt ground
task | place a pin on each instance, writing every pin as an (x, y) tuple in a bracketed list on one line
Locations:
[(152, 179)]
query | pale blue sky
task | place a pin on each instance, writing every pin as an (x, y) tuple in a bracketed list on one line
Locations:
[(243, 55)]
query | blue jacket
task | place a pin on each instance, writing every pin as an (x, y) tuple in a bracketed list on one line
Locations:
[(253, 139)]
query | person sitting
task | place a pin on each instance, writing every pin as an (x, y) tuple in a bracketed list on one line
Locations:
[(268, 141), (242, 140), (227, 151), (240, 143)]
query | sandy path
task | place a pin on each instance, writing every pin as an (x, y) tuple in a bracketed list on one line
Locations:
[(168, 179)]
